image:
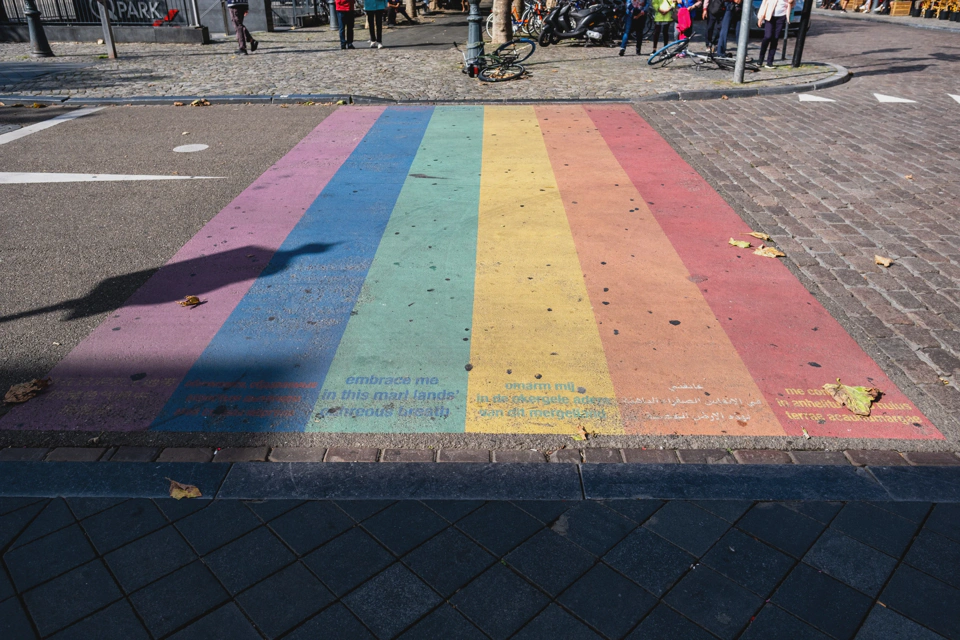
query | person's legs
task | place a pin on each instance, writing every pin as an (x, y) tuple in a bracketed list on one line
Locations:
[(243, 36), (627, 24), (378, 19), (767, 38), (656, 34), (724, 32), (638, 26), (668, 28), (343, 29), (779, 24), (391, 16), (403, 11)]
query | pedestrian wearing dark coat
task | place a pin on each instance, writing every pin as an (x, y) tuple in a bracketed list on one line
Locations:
[(239, 10)]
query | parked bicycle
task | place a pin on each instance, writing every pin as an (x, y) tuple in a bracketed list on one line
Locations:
[(669, 53), (503, 64)]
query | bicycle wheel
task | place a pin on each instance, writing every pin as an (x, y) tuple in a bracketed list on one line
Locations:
[(489, 26), (730, 64), (666, 54), (501, 72), (518, 50)]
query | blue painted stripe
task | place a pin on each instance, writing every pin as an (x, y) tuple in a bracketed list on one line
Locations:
[(264, 369)]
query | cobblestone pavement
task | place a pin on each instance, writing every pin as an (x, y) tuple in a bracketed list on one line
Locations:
[(836, 183), (104, 568), (310, 61)]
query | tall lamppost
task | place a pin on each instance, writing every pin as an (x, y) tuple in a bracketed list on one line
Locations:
[(38, 39), (474, 34)]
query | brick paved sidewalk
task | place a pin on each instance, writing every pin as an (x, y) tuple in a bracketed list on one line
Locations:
[(310, 62), (85, 568)]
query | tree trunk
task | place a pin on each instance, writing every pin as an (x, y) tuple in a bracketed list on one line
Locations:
[(502, 25), (412, 8), (434, 5)]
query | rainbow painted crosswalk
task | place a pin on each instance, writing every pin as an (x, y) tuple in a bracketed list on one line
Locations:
[(550, 269)]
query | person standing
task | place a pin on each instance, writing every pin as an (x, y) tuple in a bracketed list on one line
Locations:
[(238, 11), (772, 16), (375, 10), (713, 12), (732, 14), (345, 19), (636, 21), (663, 18)]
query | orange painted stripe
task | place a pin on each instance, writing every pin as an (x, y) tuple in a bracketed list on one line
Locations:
[(673, 367)]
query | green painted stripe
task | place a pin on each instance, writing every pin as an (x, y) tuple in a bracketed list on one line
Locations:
[(412, 321)]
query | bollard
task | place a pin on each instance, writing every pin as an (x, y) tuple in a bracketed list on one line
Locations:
[(38, 37), (334, 18), (746, 14), (474, 33)]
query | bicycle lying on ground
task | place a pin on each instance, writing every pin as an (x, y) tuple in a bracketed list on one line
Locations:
[(503, 63), (667, 54)]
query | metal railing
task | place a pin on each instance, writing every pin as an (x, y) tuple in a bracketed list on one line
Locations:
[(143, 13)]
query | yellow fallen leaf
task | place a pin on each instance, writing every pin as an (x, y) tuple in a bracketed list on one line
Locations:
[(201, 102), (178, 104), (883, 262), (909, 176), (769, 252), (743, 244), (580, 435), (25, 390), (857, 399), (190, 301), (178, 490), (761, 236)]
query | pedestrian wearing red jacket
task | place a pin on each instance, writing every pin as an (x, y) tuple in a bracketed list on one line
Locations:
[(345, 19)]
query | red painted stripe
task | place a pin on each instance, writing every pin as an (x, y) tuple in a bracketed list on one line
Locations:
[(785, 337)]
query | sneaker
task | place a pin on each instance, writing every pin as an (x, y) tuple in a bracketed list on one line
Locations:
[(241, 52), (638, 52), (373, 45), (622, 51), (254, 44), (379, 45), (769, 66)]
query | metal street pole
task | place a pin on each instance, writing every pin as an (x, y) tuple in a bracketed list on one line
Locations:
[(107, 29), (474, 34), (802, 35), (38, 38), (195, 10), (334, 18), (745, 15)]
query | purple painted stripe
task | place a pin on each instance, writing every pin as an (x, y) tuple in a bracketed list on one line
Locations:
[(100, 385)]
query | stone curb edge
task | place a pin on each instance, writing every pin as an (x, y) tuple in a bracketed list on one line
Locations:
[(595, 455), (484, 481), (841, 75)]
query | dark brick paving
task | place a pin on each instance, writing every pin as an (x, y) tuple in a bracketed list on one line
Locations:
[(828, 182), (93, 568)]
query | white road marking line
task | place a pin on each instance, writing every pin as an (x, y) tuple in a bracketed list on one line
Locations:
[(809, 97), (191, 148), (46, 124), (16, 177), (957, 98), (882, 98)]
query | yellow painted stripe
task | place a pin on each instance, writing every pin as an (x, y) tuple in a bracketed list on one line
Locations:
[(538, 365)]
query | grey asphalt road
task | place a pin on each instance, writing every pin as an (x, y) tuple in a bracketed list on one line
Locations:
[(59, 240)]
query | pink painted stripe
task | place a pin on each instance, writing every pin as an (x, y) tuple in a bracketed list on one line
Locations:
[(790, 344), (99, 386)]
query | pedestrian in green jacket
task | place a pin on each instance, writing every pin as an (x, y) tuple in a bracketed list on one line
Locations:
[(664, 15)]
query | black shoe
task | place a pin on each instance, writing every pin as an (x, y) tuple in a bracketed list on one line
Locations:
[(254, 44), (622, 52), (343, 47), (241, 52), (638, 52), (350, 45)]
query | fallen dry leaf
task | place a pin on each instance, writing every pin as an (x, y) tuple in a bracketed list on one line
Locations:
[(580, 435), (769, 252), (201, 102), (805, 434), (178, 104), (25, 390), (743, 244), (37, 105), (760, 236), (857, 399), (190, 301), (883, 262), (178, 490), (909, 176)]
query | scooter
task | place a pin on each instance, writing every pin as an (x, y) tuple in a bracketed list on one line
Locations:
[(594, 23)]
